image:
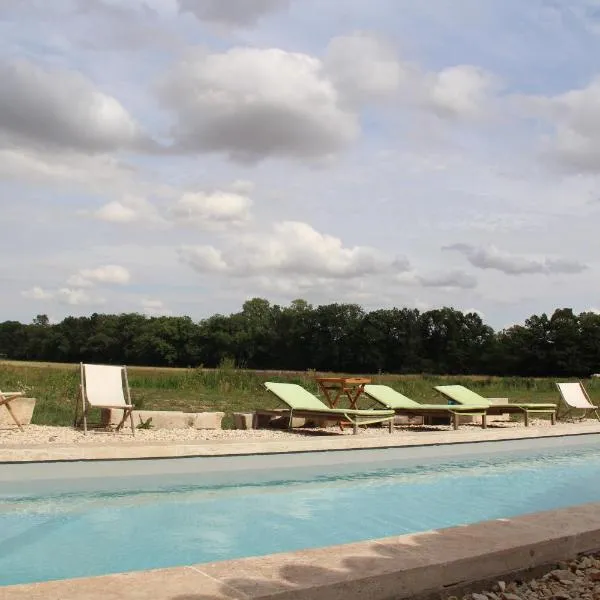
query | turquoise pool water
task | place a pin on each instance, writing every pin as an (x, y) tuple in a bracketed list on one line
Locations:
[(64, 535)]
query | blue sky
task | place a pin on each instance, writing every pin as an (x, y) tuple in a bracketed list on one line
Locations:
[(181, 156)]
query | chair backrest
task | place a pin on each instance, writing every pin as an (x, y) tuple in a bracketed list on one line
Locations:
[(462, 395), (574, 395), (389, 397), (103, 385), (295, 396)]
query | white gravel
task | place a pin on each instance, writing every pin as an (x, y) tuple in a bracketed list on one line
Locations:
[(577, 580), (44, 434)]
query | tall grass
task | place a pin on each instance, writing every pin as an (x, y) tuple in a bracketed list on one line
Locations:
[(231, 389)]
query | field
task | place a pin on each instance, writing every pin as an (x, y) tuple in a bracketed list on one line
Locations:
[(229, 389)]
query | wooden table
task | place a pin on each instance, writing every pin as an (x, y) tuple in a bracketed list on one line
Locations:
[(334, 387)]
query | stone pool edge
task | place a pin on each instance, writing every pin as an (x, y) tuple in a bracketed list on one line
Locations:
[(430, 564), (132, 450)]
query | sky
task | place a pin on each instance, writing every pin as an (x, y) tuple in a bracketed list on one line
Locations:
[(178, 157)]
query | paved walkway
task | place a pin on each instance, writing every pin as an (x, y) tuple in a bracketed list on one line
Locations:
[(126, 447)]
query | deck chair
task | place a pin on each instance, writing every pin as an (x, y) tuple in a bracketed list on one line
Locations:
[(102, 387), (458, 394), (301, 403), (402, 405), (576, 398), (5, 399)]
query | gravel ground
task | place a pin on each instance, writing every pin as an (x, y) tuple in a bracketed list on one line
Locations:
[(577, 580), (44, 434)]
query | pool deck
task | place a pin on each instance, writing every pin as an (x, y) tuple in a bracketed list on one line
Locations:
[(128, 448)]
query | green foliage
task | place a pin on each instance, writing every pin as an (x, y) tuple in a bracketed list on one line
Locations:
[(300, 337)]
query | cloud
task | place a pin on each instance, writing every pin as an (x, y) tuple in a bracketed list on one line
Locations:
[(450, 280), (252, 103), (575, 119), (291, 249), (37, 293), (107, 274), (231, 12), (207, 210), (365, 67), (130, 209), (77, 297), (61, 108), (72, 296), (512, 264), (461, 91), (155, 308)]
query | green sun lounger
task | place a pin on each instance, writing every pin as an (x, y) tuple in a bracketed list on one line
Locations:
[(302, 403), (458, 394), (402, 405)]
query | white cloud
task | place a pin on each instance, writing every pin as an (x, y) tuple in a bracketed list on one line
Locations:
[(207, 210), (107, 274), (61, 108), (461, 91), (231, 12), (77, 297), (155, 308), (512, 264), (37, 293), (292, 248), (253, 103), (72, 296), (365, 67), (575, 119), (130, 209)]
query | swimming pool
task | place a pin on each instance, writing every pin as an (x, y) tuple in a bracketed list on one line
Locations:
[(74, 519)]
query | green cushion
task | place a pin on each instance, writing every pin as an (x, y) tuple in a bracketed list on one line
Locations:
[(297, 398), (390, 398), (467, 397)]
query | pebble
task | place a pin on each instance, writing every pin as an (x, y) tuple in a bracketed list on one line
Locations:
[(576, 580)]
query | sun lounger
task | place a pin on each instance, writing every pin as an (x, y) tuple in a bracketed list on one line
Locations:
[(458, 394), (5, 399), (102, 387), (302, 403), (402, 405), (576, 398)]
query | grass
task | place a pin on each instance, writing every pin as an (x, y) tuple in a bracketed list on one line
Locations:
[(228, 389)]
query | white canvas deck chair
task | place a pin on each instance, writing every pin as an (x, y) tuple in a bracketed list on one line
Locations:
[(102, 387), (576, 398), (5, 399)]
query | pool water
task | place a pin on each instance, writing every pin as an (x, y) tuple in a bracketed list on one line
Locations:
[(83, 534)]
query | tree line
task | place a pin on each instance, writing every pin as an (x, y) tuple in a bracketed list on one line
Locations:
[(332, 337)]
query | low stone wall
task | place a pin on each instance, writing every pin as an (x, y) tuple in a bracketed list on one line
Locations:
[(23, 410), (167, 419)]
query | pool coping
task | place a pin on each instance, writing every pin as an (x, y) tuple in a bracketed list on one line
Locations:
[(135, 450), (433, 564)]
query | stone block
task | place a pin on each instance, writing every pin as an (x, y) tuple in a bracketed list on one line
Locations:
[(167, 419), (22, 409), (208, 420), (243, 420)]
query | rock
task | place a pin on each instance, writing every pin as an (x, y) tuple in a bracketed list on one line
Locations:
[(510, 596), (479, 597), (594, 575), (563, 575), (501, 586)]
